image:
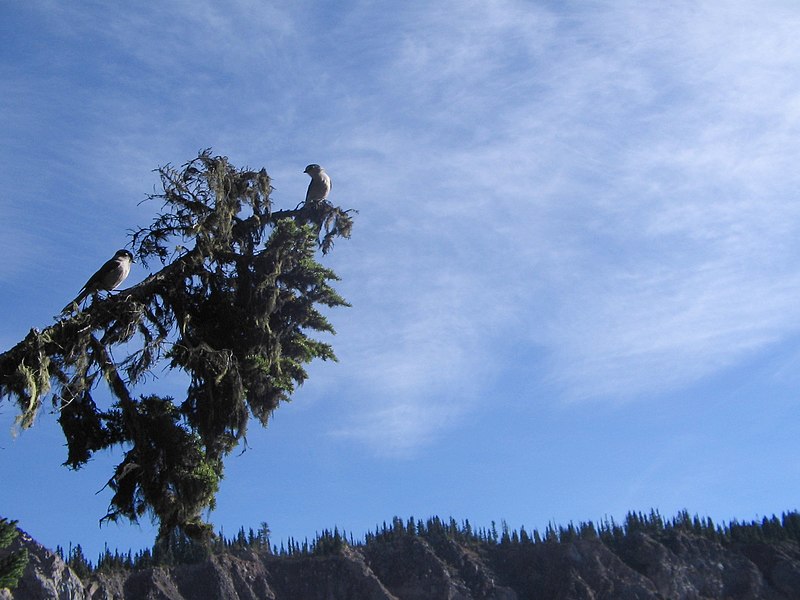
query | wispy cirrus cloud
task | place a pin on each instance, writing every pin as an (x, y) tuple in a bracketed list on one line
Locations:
[(611, 184), (617, 189)]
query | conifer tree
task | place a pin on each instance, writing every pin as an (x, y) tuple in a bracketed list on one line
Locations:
[(233, 306), (13, 564), (78, 563)]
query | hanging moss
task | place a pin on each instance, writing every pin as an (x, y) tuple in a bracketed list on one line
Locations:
[(234, 306)]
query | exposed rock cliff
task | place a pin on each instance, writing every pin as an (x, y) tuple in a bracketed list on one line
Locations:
[(679, 566), (46, 575)]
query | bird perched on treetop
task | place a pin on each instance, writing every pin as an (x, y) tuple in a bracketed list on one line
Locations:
[(107, 277), (320, 185)]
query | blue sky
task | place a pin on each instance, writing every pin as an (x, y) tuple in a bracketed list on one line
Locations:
[(574, 272)]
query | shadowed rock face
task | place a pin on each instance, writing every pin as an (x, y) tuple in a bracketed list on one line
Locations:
[(46, 575), (680, 566)]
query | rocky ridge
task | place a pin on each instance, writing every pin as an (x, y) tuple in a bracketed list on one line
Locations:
[(679, 566)]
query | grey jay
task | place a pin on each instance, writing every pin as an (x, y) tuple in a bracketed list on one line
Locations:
[(108, 277), (320, 185)]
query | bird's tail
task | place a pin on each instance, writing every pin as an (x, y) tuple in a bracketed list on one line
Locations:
[(76, 302)]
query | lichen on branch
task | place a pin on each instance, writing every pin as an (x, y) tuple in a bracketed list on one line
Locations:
[(234, 305)]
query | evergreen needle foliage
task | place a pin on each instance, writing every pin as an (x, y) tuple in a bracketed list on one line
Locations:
[(178, 549), (238, 293), (12, 564)]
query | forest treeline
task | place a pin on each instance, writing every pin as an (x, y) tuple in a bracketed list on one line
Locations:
[(179, 549)]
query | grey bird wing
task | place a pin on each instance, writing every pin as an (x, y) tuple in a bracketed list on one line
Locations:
[(107, 277)]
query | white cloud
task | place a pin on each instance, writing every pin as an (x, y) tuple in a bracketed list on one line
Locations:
[(626, 188), (614, 184), (399, 428)]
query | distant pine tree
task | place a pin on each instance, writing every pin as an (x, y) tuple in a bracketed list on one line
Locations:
[(78, 563)]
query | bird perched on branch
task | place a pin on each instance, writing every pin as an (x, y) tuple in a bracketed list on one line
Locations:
[(108, 277), (320, 185)]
